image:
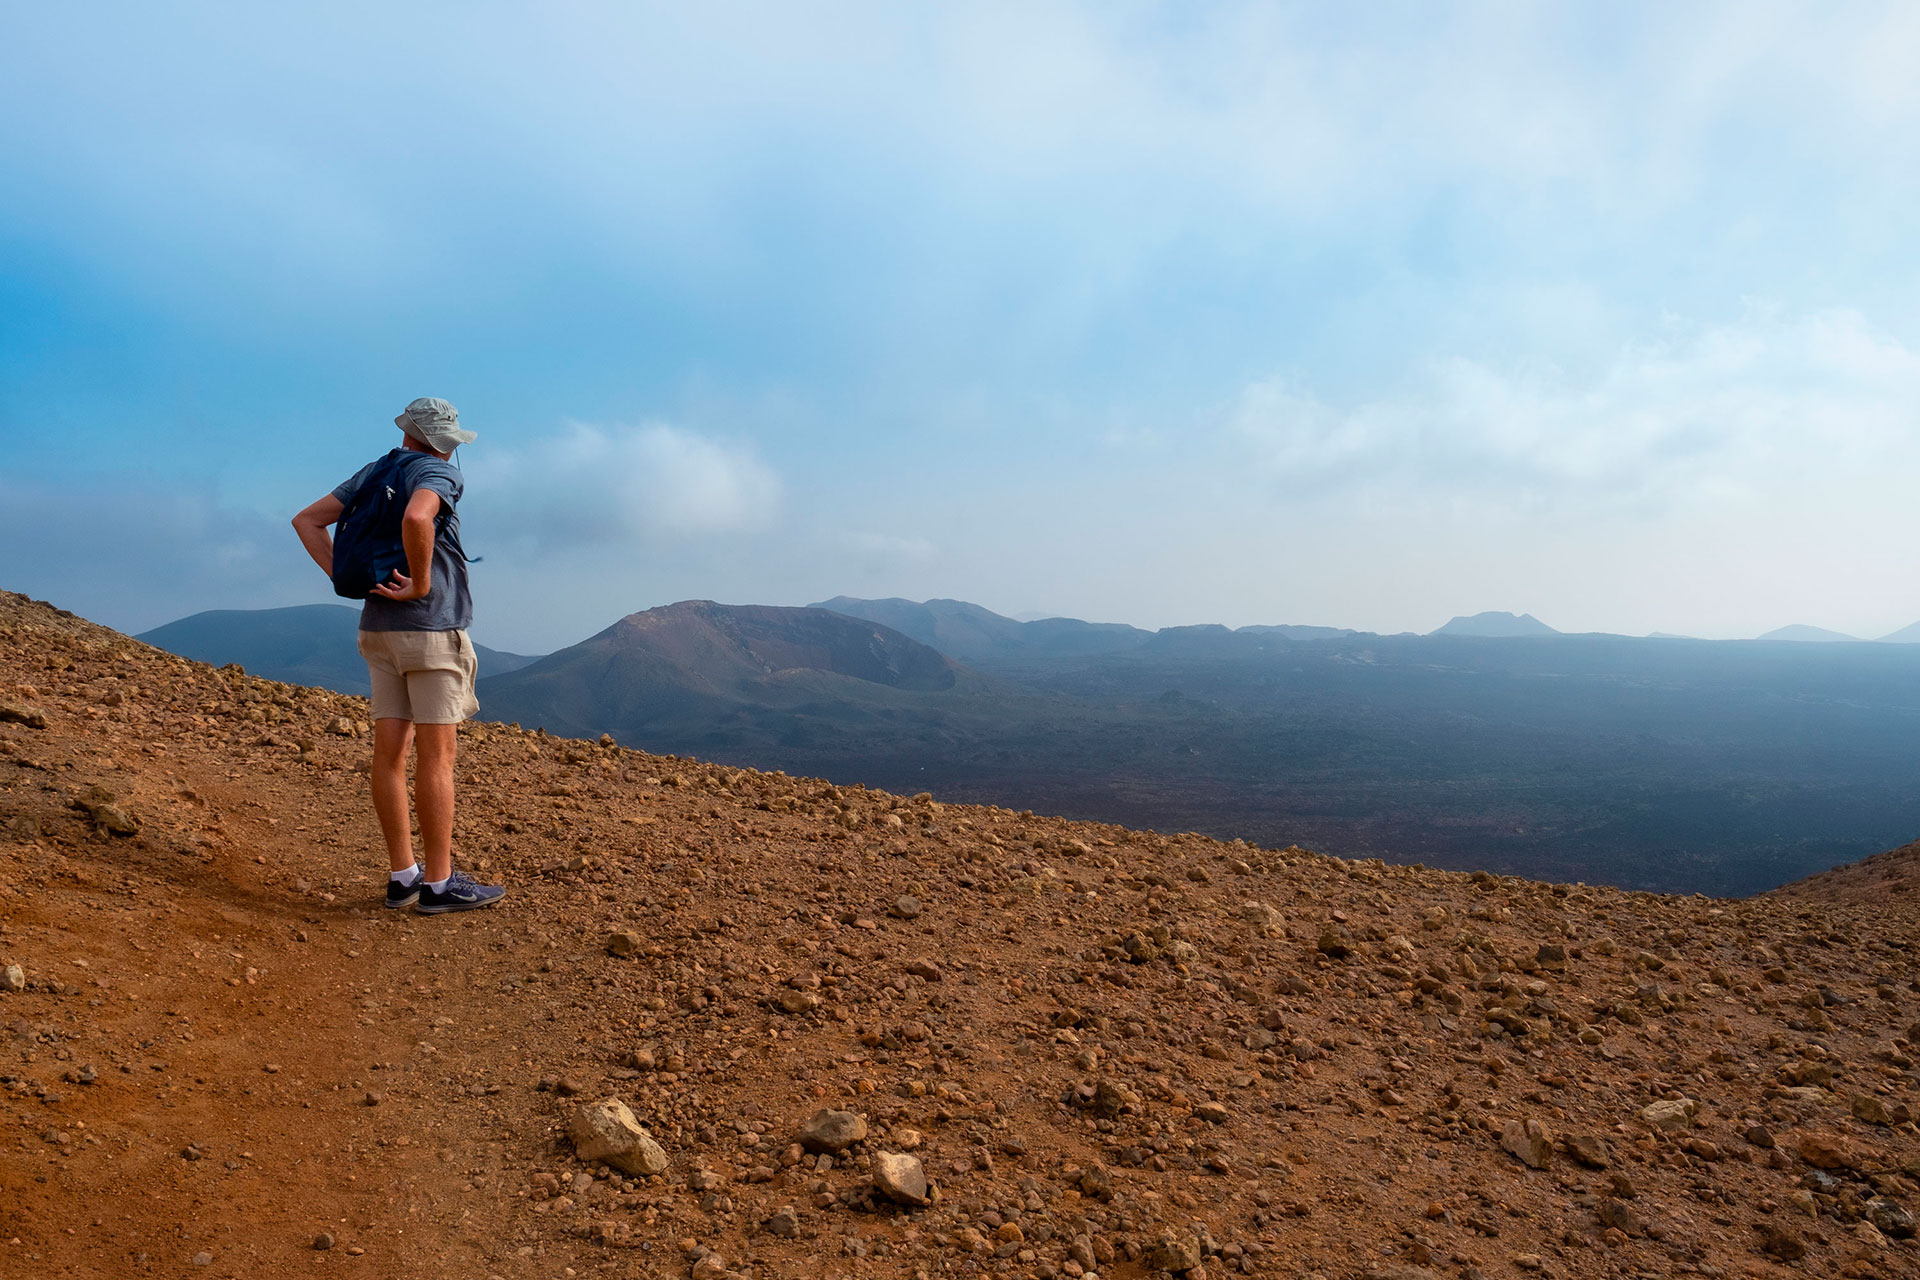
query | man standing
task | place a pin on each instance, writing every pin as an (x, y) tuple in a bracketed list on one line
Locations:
[(413, 634)]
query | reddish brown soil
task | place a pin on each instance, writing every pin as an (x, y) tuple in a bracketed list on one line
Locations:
[(1889, 879), (1323, 1085)]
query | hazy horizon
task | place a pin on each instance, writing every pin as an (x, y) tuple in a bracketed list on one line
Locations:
[(484, 633), (1249, 314)]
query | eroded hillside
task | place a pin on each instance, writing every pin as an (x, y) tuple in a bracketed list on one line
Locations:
[(1111, 1052)]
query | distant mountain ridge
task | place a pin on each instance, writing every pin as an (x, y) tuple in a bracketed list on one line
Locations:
[(1800, 633), (1494, 623), (314, 644), (972, 634), (1289, 631)]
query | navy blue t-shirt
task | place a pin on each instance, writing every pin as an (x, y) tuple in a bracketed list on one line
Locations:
[(447, 607)]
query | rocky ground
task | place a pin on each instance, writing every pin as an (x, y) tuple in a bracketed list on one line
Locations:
[(731, 1023)]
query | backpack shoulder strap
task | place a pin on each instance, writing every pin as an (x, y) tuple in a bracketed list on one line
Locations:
[(381, 472)]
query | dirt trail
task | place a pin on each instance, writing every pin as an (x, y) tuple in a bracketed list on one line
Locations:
[(235, 1029), (1115, 1053)]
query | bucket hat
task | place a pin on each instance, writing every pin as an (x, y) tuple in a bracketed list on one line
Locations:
[(434, 423)]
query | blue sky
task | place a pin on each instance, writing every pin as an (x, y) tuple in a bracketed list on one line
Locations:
[(1366, 315)]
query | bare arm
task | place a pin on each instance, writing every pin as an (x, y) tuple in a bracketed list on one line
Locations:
[(416, 538), (311, 524)]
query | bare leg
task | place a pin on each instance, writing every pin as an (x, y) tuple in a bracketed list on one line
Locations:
[(433, 795), (391, 739)]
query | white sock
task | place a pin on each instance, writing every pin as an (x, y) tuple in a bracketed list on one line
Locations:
[(405, 878), (438, 886)]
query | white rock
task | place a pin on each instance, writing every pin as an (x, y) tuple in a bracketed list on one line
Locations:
[(607, 1131), (1264, 918), (1670, 1113), (900, 1178)]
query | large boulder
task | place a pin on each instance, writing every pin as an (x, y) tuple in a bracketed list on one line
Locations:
[(1264, 918), (900, 1178), (1868, 1107), (21, 713), (832, 1131), (107, 812), (1590, 1150), (1829, 1151), (607, 1132), (1176, 1251), (1670, 1113), (1889, 1217), (1529, 1140)]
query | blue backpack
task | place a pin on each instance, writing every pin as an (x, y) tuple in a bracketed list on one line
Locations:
[(366, 540)]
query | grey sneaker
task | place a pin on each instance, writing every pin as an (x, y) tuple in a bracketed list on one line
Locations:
[(461, 894)]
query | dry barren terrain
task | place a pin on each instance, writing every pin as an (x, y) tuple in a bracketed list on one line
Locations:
[(1106, 1052)]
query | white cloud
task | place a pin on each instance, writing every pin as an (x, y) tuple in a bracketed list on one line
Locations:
[(590, 486), (1756, 409)]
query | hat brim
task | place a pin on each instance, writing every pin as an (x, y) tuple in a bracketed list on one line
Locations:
[(443, 438)]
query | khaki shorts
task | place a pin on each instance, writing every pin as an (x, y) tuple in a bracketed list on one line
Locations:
[(423, 676)]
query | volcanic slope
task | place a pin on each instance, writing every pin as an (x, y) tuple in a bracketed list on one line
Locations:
[(1889, 878), (1114, 1052), (684, 666)]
